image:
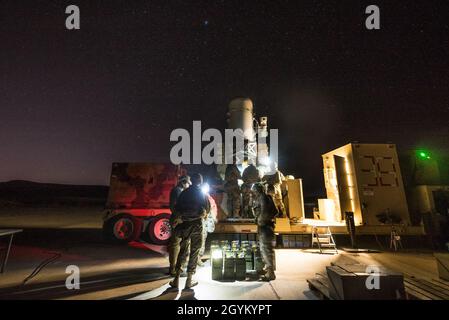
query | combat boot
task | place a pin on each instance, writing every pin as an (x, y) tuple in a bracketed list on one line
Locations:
[(190, 283), (269, 275), (175, 282)]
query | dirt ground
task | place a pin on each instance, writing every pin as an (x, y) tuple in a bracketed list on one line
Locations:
[(56, 238), (89, 217)]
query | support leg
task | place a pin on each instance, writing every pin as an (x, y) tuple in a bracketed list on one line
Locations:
[(5, 260)]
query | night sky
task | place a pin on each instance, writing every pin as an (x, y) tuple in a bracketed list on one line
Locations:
[(72, 102)]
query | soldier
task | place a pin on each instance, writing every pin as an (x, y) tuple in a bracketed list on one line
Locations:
[(274, 188), (173, 245), (192, 207), (250, 176), (208, 227), (265, 212), (232, 189)]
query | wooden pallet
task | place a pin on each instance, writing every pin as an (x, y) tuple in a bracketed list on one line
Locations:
[(416, 288), (422, 289), (442, 260), (320, 285)]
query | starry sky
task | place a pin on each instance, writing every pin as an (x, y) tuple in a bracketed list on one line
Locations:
[(73, 102)]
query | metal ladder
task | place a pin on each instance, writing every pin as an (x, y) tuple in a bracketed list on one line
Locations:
[(325, 241)]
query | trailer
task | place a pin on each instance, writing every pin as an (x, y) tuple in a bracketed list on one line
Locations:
[(138, 202), (137, 207)]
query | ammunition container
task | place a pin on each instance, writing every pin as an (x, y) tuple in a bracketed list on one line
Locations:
[(249, 259), (224, 244), (216, 262), (240, 266), (229, 266), (215, 243), (217, 269)]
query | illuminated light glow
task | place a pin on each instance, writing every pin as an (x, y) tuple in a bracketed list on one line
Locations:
[(317, 223), (242, 167), (263, 170), (350, 185), (327, 210), (217, 254), (423, 155), (205, 188), (265, 161), (330, 207)]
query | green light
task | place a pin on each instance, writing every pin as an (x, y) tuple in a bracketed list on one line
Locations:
[(424, 155)]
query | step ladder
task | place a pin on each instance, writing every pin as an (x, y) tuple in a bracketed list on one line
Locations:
[(322, 236), (395, 240)]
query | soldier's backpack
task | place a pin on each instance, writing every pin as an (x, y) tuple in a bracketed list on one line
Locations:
[(268, 198), (271, 206)]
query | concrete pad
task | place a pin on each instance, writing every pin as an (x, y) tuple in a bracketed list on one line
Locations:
[(294, 267)]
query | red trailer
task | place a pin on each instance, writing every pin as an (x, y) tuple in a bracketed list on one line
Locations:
[(138, 202)]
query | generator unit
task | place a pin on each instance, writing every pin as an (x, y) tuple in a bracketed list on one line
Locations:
[(365, 179)]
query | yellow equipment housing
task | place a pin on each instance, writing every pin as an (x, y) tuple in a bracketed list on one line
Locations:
[(365, 179)]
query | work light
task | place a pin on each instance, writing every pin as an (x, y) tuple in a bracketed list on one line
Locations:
[(217, 263), (217, 254), (205, 188)]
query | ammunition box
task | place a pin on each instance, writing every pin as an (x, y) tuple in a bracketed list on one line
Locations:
[(285, 241), (291, 241), (240, 269), (249, 259), (229, 269), (217, 269)]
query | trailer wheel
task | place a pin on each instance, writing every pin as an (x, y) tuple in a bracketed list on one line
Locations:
[(158, 230), (122, 228)]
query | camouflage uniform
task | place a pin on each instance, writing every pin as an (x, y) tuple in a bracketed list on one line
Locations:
[(208, 223), (232, 189), (192, 207), (274, 189), (191, 235), (250, 176), (203, 240), (265, 213), (174, 242)]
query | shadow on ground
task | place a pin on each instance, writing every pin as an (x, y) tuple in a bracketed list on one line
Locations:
[(58, 289)]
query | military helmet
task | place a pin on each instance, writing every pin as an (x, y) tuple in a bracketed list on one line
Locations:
[(258, 187), (197, 179), (184, 179)]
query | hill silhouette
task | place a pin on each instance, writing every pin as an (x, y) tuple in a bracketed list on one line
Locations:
[(20, 192)]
